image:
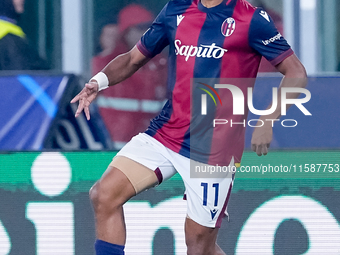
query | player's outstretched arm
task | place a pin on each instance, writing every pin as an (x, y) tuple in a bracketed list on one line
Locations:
[(119, 69), (295, 76)]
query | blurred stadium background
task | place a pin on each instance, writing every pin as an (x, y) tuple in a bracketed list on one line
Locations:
[(49, 159)]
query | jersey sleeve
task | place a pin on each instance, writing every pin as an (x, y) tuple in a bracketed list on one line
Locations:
[(155, 39), (266, 39)]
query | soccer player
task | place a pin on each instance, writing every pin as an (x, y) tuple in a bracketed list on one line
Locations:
[(207, 39)]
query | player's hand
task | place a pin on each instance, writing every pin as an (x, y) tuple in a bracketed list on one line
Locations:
[(261, 139), (85, 98)]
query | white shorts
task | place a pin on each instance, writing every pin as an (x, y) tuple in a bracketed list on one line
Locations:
[(207, 198)]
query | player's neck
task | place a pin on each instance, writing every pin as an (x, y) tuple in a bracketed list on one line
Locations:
[(211, 3)]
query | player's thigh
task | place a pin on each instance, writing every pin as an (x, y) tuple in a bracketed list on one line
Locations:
[(200, 239), (139, 176), (123, 179), (143, 162), (207, 198), (113, 189)]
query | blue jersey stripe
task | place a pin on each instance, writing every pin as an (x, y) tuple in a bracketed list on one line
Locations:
[(199, 135)]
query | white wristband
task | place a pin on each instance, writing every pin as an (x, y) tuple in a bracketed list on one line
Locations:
[(102, 80)]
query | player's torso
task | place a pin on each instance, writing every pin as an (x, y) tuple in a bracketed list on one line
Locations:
[(206, 43), (224, 42), (209, 41)]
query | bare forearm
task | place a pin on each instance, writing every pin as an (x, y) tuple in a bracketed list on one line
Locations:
[(287, 82), (294, 77), (123, 66), (116, 71)]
